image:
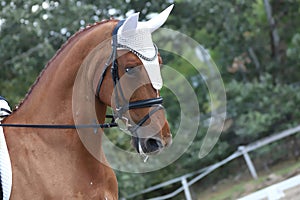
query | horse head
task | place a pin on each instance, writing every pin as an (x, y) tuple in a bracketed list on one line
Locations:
[(134, 83)]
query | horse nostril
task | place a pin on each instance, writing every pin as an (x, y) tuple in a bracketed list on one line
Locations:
[(153, 145)]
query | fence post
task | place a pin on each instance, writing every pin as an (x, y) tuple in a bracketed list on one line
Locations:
[(186, 188), (248, 161)]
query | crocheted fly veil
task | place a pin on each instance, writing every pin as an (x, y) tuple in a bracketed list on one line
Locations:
[(136, 37)]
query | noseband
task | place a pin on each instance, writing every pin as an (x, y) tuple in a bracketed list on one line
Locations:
[(121, 109)]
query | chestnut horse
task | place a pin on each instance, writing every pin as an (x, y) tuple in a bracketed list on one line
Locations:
[(53, 163)]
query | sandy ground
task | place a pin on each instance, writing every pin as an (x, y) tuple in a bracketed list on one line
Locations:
[(292, 194)]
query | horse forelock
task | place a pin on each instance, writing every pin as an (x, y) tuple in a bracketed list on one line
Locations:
[(59, 51)]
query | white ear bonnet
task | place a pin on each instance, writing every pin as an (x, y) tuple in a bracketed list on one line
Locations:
[(136, 35)]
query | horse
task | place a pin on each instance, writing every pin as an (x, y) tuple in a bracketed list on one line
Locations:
[(48, 157)]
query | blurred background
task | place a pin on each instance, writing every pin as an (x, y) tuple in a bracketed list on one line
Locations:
[(255, 44)]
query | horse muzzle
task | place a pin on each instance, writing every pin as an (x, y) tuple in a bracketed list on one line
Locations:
[(151, 145)]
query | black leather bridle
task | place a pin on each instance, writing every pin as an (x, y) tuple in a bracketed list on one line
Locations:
[(120, 110)]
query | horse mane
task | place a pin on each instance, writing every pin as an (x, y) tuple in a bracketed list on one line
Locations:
[(69, 40)]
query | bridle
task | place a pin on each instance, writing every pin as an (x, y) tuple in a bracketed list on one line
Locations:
[(118, 113)]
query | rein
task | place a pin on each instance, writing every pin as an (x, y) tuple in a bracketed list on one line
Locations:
[(65, 126), (60, 126)]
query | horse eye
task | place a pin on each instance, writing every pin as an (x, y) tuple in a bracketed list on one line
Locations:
[(129, 70)]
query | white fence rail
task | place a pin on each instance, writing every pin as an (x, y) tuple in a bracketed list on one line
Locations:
[(242, 150), (274, 192)]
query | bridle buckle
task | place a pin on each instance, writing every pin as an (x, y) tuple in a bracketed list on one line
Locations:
[(123, 123)]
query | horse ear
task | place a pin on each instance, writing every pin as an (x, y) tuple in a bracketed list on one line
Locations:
[(130, 23), (157, 21)]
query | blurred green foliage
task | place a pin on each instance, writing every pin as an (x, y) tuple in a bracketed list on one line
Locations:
[(262, 87)]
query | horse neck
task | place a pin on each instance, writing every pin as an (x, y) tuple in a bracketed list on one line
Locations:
[(51, 159)]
